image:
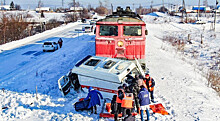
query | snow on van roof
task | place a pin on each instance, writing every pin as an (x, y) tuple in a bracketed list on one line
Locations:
[(104, 67), (105, 64)]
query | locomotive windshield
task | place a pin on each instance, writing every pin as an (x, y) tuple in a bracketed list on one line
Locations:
[(106, 30), (132, 31)]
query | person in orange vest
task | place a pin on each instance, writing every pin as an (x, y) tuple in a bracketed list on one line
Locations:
[(120, 96), (127, 103), (150, 85)]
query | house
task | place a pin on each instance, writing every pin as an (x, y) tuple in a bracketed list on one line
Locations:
[(43, 9), (201, 8), (208, 10), (77, 9), (4, 7)]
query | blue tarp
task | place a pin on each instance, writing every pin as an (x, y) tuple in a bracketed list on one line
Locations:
[(152, 14)]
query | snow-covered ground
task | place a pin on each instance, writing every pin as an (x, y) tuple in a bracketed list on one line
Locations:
[(180, 87)]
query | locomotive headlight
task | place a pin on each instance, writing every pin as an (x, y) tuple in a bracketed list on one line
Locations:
[(120, 43)]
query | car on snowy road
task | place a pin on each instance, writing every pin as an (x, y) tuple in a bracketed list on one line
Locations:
[(92, 22), (87, 29), (200, 22), (50, 46)]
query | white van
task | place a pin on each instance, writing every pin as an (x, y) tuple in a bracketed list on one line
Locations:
[(102, 73)]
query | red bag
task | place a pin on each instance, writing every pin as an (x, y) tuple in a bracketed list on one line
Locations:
[(158, 108)]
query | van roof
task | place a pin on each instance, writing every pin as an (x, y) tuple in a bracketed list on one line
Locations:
[(104, 68)]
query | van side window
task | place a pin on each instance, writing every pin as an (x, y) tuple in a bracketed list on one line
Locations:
[(92, 62), (109, 64)]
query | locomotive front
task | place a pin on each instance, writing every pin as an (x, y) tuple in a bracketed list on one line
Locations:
[(121, 35)]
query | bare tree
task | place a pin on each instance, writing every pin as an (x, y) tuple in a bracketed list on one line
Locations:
[(205, 3), (100, 4), (106, 3), (17, 7), (139, 10), (13, 27), (74, 4), (101, 10), (40, 4), (85, 14)]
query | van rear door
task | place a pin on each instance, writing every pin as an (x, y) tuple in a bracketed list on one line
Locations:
[(64, 84)]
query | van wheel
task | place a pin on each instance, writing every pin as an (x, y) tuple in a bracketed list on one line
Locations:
[(43, 50)]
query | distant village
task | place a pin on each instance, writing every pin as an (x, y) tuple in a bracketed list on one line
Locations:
[(42, 18), (205, 8)]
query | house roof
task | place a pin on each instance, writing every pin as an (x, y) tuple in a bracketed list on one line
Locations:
[(76, 8), (43, 8), (199, 8), (5, 7)]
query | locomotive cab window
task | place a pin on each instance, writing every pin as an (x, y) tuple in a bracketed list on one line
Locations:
[(132, 31), (92, 62), (106, 30)]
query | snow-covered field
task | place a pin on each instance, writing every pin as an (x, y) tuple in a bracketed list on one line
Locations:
[(180, 86)]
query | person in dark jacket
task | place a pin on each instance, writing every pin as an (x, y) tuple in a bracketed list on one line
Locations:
[(126, 88), (129, 116), (93, 95), (150, 86), (114, 104), (140, 81), (134, 88), (144, 102), (60, 42)]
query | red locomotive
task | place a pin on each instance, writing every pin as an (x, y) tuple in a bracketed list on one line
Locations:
[(121, 35)]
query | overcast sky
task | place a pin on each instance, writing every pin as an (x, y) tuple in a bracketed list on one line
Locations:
[(145, 3)]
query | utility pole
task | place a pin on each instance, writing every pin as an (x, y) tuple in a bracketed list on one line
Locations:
[(4, 2), (62, 3), (112, 8), (184, 10), (74, 9), (74, 5), (198, 11), (215, 13), (133, 7), (151, 6)]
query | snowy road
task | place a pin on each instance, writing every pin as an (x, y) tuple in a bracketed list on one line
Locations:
[(24, 68)]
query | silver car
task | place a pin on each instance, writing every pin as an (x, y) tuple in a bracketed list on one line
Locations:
[(50, 46)]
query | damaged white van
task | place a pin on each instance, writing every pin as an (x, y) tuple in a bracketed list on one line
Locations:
[(102, 73)]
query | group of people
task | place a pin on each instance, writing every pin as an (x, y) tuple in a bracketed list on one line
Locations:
[(138, 91)]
